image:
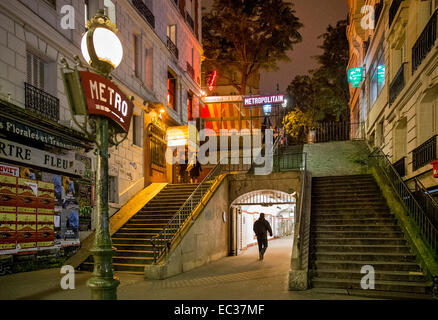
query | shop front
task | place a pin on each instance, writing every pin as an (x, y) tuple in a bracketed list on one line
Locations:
[(46, 184)]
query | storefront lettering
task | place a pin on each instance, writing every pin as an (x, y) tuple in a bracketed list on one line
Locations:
[(27, 155), (15, 151), (55, 162), (24, 131)]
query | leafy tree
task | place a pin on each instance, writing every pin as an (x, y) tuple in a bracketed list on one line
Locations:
[(323, 95), (247, 36), (296, 123)]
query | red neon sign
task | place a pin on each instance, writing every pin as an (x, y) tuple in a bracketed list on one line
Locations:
[(212, 81)]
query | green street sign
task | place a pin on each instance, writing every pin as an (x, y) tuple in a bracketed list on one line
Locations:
[(355, 76)]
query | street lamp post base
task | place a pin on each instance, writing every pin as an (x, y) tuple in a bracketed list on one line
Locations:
[(103, 288)]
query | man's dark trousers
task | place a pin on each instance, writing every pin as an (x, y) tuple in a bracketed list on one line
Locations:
[(263, 244)]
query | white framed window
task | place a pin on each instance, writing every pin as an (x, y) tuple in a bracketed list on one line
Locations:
[(171, 32), (36, 71)]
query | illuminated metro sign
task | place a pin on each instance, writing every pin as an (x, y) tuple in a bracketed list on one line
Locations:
[(355, 76), (104, 98), (262, 100)]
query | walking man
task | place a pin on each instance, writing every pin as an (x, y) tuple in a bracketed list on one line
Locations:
[(261, 228)]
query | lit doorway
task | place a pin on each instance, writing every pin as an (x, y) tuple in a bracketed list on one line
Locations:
[(278, 207)]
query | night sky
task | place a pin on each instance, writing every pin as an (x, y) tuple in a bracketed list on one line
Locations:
[(315, 15)]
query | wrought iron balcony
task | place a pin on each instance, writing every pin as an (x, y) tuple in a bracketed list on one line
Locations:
[(40, 102), (190, 21), (424, 154), (145, 12), (190, 70), (172, 47), (425, 42), (395, 5), (397, 84), (400, 167)]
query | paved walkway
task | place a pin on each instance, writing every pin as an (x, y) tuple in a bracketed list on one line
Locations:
[(231, 278)]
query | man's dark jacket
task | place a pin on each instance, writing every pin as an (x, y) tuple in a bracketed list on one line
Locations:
[(261, 227)]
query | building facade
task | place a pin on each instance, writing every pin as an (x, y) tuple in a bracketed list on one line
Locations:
[(160, 70), (397, 97)]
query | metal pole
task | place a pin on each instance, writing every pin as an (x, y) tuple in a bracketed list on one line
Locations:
[(102, 283)]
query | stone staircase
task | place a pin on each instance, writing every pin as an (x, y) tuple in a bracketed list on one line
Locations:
[(352, 226), (133, 241)]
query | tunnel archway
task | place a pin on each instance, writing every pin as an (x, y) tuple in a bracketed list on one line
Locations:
[(279, 209)]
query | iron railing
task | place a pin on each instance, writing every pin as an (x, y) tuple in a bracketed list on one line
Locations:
[(397, 84), (172, 47), (190, 71), (162, 242), (426, 201), (298, 220), (145, 12), (400, 167), (395, 5), (425, 42), (337, 131), (289, 161), (424, 154), (415, 209), (40, 102), (190, 21)]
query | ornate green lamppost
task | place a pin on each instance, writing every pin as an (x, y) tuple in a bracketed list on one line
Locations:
[(106, 115)]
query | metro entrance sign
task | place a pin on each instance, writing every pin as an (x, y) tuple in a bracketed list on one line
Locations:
[(105, 98), (262, 100), (92, 94)]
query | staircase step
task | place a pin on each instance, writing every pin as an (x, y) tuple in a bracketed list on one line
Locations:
[(380, 285), (362, 248), (358, 234), (405, 276), (365, 256), (345, 216), (348, 206), (143, 236), (358, 220), (359, 241), (134, 253), (349, 211), (133, 260), (354, 227), (357, 265)]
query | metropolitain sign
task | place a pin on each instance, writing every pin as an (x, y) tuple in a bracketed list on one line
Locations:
[(262, 100)]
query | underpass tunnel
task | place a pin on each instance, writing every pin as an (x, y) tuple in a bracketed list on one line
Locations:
[(278, 207)]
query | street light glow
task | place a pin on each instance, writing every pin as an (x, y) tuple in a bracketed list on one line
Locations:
[(107, 46)]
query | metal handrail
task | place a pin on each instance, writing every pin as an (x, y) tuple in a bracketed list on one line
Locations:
[(300, 215), (185, 211), (427, 229)]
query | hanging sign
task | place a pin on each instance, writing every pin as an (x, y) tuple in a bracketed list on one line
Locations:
[(355, 76), (93, 94), (105, 98), (262, 100)]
